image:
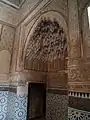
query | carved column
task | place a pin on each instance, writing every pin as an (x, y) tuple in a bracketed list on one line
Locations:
[(74, 65)]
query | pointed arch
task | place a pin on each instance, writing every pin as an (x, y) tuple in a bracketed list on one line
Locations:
[(46, 41)]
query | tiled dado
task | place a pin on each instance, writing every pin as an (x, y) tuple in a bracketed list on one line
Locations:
[(17, 109), (56, 105), (3, 105), (12, 106), (76, 114), (79, 108)]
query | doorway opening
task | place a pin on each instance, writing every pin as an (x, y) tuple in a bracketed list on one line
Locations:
[(36, 101)]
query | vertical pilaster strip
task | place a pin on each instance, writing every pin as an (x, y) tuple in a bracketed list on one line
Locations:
[(74, 64)]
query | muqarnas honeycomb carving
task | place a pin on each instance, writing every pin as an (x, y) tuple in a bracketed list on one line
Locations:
[(47, 43)]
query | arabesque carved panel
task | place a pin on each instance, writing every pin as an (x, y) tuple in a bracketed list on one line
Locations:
[(47, 43)]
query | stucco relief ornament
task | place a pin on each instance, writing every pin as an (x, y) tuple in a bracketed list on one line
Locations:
[(47, 42), (74, 74), (19, 78)]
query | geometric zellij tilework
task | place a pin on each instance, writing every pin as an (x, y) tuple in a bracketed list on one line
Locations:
[(3, 105), (12, 107), (75, 114)]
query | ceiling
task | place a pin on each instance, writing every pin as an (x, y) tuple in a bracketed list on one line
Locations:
[(13, 3)]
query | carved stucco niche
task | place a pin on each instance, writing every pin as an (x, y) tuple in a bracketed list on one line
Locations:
[(47, 46)]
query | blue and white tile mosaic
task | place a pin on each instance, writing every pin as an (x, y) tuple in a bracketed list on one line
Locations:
[(12, 107), (75, 114), (3, 105), (21, 108)]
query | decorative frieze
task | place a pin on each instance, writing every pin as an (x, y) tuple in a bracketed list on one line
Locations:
[(79, 94), (79, 86)]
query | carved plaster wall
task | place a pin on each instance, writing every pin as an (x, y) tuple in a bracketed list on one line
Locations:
[(29, 20), (6, 44), (75, 50), (41, 41), (47, 43), (48, 11), (74, 54), (78, 65), (45, 49)]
